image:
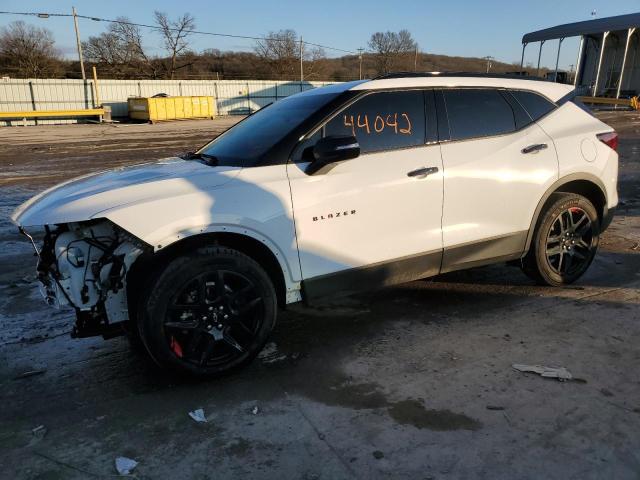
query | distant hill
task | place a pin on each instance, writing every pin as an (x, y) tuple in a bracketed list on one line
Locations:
[(241, 65), (214, 64)]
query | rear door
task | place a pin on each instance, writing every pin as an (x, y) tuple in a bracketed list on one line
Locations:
[(498, 164), (367, 222)]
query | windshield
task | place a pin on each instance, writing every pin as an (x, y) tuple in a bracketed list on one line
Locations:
[(244, 144)]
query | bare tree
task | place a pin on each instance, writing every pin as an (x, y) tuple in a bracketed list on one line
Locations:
[(175, 33), (28, 51), (120, 50), (281, 51), (389, 46), (314, 60)]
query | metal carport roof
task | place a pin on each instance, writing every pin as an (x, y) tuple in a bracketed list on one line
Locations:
[(588, 27)]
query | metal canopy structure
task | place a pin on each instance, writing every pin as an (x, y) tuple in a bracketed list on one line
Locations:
[(594, 35), (588, 27)]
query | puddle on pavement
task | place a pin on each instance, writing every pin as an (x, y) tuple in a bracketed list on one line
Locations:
[(336, 390), (413, 412), (345, 394)]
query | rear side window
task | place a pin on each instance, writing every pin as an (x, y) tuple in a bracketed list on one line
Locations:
[(478, 113), (383, 121), (536, 105)]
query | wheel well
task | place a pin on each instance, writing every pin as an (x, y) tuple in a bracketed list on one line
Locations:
[(261, 254), (145, 266), (589, 190)]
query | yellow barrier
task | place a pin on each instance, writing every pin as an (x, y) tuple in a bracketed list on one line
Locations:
[(624, 102), (86, 112), (155, 109)]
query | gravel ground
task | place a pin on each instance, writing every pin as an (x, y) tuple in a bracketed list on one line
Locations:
[(412, 382)]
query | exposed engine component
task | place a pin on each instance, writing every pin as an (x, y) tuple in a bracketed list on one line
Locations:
[(84, 265)]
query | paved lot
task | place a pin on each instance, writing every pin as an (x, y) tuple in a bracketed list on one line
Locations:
[(412, 382)]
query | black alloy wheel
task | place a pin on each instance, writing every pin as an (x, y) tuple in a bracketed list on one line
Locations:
[(564, 242), (208, 312), (214, 318), (569, 241)]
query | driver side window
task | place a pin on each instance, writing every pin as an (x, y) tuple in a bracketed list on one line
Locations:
[(383, 121)]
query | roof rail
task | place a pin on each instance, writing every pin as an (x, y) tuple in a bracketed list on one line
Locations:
[(456, 74)]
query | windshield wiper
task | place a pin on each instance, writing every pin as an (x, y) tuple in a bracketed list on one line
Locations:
[(208, 159)]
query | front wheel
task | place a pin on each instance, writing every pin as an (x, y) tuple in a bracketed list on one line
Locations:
[(208, 312), (565, 240)]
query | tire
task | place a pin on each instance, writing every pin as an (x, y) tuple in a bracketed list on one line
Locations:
[(207, 313), (565, 240), (135, 342)]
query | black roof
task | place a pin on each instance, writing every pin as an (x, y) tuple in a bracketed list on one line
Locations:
[(588, 27), (515, 76)]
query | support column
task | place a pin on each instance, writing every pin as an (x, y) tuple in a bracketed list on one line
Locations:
[(604, 42), (524, 45), (539, 55), (579, 61), (630, 32), (558, 59)]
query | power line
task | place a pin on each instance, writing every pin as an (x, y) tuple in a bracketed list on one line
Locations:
[(155, 27)]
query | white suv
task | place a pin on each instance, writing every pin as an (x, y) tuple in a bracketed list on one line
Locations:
[(335, 190)]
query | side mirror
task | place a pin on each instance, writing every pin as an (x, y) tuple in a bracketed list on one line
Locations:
[(333, 149)]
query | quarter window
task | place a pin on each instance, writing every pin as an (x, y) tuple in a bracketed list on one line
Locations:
[(478, 113), (536, 105), (383, 121)]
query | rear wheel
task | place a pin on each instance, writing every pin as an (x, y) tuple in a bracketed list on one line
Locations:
[(565, 241), (208, 312)]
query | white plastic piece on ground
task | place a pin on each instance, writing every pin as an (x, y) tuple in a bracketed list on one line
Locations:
[(255, 410), (125, 466), (198, 415), (560, 373)]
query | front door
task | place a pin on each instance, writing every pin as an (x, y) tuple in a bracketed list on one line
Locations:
[(375, 219)]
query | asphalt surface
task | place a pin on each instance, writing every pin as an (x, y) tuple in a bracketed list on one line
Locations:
[(414, 381)]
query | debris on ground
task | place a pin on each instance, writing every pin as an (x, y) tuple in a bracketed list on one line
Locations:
[(29, 373), (39, 432), (560, 373), (270, 354), (125, 466), (255, 410), (198, 415), (606, 392), (494, 407), (378, 455)]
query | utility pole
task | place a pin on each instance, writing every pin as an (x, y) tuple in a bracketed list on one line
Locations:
[(570, 76), (488, 59), (415, 60), (75, 24), (301, 69), (360, 50)]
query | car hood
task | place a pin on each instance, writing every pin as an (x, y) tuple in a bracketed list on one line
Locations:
[(83, 198)]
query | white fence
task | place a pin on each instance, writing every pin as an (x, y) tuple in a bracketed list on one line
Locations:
[(233, 97)]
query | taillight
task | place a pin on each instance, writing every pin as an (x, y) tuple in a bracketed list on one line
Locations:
[(610, 139)]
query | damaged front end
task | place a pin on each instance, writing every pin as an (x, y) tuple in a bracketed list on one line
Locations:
[(84, 265)]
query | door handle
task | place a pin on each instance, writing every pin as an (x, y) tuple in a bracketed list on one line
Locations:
[(423, 172), (534, 148)]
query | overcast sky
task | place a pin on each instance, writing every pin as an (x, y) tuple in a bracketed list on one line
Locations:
[(473, 28)]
